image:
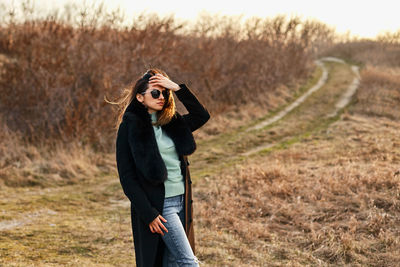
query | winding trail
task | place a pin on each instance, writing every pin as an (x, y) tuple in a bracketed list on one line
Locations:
[(80, 218), (315, 109), (345, 99), (27, 218), (347, 96), (298, 101)]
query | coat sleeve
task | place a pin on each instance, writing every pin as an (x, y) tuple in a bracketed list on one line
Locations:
[(198, 114), (128, 179)]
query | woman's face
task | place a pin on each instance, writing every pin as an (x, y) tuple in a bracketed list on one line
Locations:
[(151, 103)]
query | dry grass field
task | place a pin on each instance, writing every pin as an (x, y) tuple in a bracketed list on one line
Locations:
[(332, 198), (322, 191), (329, 196)]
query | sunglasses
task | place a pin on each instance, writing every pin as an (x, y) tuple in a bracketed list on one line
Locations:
[(155, 93), (147, 76)]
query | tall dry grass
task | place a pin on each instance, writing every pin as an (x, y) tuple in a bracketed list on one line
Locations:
[(383, 50), (26, 164), (57, 69), (54, 84), (379, 93), (332, 199)]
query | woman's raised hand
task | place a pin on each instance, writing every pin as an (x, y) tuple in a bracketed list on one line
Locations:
[(163, 81), (156, 225)]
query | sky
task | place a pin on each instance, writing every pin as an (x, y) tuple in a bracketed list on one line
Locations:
[(364, 18)]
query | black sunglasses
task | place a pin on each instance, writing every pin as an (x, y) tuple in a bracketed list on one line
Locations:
[(155, 93), (147, 76)]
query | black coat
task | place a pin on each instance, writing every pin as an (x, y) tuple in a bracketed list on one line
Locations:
[(142, 171)]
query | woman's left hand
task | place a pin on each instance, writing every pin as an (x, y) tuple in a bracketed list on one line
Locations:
[(163, 81)]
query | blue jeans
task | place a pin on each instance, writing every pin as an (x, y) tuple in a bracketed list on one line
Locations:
[(178, 251)]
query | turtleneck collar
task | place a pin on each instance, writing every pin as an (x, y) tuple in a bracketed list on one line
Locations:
[(153, 116)]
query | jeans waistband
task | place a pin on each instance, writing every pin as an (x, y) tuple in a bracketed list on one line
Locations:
[(175, 198)]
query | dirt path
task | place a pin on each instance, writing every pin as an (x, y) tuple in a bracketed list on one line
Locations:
[(298, 101), (346, 97), (89, 223), (342, 102), (25, 218), (312, 111)]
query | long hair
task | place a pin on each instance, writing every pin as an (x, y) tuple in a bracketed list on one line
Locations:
[(129, 93)]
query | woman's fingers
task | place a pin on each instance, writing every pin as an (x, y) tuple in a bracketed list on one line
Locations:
[(159, 230), (161, 225), (163, 218), (156, 81), (157, 77), (157, 226), (163, 81)]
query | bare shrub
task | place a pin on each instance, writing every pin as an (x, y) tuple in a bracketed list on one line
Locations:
[(381, 51), (62, 69), (379, 93)]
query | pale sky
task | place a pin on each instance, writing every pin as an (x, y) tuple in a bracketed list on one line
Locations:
[(364, 18)]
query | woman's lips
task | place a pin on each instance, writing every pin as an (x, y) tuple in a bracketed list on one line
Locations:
[(160, 103)]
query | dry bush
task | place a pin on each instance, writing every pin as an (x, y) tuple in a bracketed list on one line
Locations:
[(56, 70), (389, 37), (54, 87), (39, 164), (381, 51), (379, 92)]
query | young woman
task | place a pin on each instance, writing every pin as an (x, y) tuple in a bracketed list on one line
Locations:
[(153, 141)]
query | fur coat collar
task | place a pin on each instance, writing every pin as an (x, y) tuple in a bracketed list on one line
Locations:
[(143, 143)]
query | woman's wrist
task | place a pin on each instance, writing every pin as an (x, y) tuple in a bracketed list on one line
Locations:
[(177, 88)]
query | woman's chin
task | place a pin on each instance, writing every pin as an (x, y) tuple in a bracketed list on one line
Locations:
[(157, 108)]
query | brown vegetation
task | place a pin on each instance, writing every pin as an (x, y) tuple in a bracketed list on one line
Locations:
[(55, 86), (55, 73), (380, 92), (330, 199), (327, 196), (384, 50)]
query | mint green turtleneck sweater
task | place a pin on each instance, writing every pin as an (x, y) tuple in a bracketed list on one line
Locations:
[(174, 185)]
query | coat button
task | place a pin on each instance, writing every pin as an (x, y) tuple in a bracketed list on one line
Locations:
[(188, 162), (191, 201), (190, 220), (190, 181)]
